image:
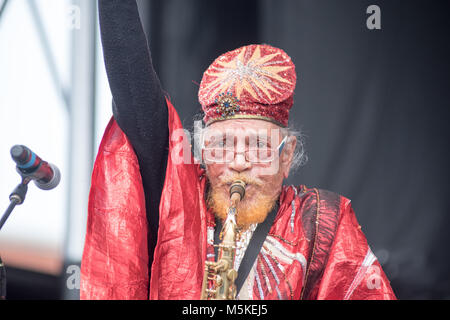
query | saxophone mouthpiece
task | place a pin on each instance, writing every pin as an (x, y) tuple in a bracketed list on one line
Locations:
[(237, 191)]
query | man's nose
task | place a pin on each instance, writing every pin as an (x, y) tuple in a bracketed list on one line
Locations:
[(239, 163)]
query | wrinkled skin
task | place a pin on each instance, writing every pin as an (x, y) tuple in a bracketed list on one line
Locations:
[(262, 178)]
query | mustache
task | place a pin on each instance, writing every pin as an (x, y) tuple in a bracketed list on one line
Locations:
[(249, 180)]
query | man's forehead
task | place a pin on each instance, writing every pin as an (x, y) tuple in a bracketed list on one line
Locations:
[(247, 127)]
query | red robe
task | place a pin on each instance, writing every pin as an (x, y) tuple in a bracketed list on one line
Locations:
[(315, 248)]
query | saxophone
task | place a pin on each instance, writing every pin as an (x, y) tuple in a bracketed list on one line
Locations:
[(222, 272)]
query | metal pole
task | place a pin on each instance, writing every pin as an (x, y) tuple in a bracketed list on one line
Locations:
[(46, 47), (2, 8), (81, 153), (17, 197), (8, 211)]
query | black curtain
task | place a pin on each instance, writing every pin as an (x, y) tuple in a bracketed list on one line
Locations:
[(373, 105)]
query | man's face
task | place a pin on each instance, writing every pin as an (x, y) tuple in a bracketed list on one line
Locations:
[(254, 151)]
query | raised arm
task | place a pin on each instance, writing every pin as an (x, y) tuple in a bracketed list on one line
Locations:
[(139, 105), (139, 101)]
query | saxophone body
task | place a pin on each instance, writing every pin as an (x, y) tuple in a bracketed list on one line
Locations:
[(222, 272)]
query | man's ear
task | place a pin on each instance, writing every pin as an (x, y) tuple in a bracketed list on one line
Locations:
[(288, 155)]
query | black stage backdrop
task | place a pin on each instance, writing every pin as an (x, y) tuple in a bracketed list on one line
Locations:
[(373, 105)]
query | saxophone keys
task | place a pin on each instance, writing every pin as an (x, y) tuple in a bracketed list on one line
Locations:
[(232, 275), (219, 281)]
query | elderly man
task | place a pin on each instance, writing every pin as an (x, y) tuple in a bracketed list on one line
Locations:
[(156, 213)]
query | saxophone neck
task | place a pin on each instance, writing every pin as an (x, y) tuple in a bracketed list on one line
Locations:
[(237, 192), (228, 232), (221, 273)]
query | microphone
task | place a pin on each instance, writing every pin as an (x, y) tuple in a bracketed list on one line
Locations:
[(46, 176)]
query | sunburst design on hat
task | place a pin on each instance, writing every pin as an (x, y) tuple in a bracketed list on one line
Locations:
[(257, 73)]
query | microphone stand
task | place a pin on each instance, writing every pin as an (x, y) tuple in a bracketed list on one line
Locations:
[(17, 197), (2, 281)]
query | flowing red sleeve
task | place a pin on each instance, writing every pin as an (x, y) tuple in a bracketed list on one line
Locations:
[(115, 256), (179, 258), (352, 271)]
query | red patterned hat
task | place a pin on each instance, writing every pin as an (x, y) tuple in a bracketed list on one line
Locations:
[(252, 82)]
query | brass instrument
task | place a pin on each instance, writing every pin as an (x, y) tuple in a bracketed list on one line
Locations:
[(222, 271)]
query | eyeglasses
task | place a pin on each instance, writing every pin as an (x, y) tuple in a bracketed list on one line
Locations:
[(261, 153)]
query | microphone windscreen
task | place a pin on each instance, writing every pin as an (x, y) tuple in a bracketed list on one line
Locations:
[(54, 181)]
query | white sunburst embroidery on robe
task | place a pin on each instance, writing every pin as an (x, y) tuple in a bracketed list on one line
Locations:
[(293, 209), (274, 274), (369, 259), (258, 283), (266, 278), (274, 249), (283, 254)]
